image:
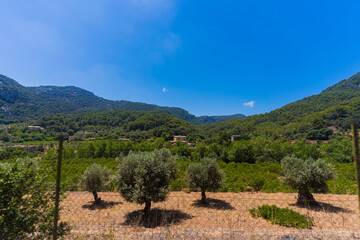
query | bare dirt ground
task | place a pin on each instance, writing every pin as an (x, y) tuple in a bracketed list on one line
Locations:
[(225, 217)]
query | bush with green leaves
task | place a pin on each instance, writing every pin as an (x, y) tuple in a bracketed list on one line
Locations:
[(26, 202), (257, 182), (282, 216), (205, 175), (144, 177), (306, 174), (95, 179)]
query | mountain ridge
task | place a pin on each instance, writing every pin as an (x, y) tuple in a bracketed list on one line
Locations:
[(19, 103)]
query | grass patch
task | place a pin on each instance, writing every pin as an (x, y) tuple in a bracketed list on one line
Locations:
[(282, 216)]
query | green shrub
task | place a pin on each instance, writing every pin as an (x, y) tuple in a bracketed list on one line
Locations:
[(26, 204), (282, 216), (274, 185), (177, 185), (257, 182)]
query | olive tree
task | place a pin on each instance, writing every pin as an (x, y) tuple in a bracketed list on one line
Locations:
[(144, 177), (306, 174), (205, 175), (95, 179), (26, 202)]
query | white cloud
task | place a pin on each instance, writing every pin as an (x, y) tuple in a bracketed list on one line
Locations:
[(249, 104), (172, 42), (164, 90)]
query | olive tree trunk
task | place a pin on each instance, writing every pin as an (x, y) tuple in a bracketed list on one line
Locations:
[(203, 196), (147, 208), (305, 198), (96, 198)]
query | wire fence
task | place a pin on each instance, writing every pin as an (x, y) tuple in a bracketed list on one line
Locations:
[(225, 216)]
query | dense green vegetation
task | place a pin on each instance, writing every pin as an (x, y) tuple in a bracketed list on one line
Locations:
[(16, 152), (240, 177), (254, 150), (262, 173), (215, 119), (115, 124), (111, 125), (26, 205), (282, 216)]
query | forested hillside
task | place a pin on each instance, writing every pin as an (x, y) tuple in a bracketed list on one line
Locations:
[(215, 119), (19, 103), (116, 123), (315, 116)]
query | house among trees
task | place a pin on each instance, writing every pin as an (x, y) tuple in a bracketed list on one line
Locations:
[(35, 128), (180, 138), (235, 138)]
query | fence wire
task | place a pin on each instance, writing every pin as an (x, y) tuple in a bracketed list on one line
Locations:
[(226, 216)]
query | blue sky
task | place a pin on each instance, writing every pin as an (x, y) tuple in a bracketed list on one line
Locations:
[(209, 57)]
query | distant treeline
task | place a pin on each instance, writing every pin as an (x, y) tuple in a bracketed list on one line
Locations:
[(102, 125), (250, 151)]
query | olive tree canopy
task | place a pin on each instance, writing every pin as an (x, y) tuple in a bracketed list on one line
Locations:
[(144, 177), (205, 175), (95, 179), (306, 174)]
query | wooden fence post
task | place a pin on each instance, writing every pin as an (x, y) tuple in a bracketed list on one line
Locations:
[(355, 137), (57, 193)]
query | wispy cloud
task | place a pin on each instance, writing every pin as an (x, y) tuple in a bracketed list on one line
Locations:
[(171, 43), (164, 90), (249, 104)]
